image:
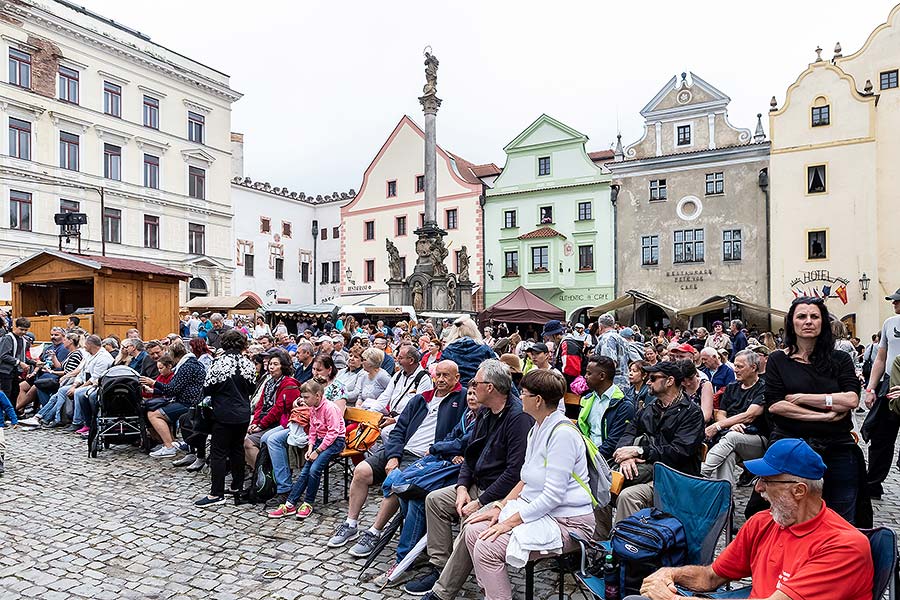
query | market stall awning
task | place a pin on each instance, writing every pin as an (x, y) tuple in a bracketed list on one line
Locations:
[(295, 310), (702, 308), (223, 303), (522, 306), (630, 297)]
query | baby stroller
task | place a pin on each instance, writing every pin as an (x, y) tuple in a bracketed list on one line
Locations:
[(119, 419)]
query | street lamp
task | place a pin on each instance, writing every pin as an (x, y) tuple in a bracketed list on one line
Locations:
[(349, 276), (864, 285), (489, 269)]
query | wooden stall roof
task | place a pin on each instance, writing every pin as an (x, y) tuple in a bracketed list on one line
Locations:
[(96, 263), (223, 303)]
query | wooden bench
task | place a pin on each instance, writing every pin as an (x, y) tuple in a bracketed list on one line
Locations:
[(344, 458)]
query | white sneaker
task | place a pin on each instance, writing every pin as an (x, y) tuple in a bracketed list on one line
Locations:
[(165, 452), (30, 422)]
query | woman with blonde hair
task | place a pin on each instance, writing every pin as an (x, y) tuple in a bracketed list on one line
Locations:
[(373, 379), (466, 348)]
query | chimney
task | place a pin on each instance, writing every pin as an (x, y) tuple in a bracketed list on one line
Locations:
[(237, 154)]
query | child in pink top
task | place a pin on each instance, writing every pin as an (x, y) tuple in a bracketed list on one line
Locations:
[(327, 437)]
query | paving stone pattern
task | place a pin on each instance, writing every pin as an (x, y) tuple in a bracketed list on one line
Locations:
[(123, 526)]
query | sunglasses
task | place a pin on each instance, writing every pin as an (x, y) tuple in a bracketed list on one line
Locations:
[(657, 376), (807, 300)]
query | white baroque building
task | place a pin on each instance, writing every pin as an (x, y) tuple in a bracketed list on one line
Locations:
[(276, 257), (105, 122)]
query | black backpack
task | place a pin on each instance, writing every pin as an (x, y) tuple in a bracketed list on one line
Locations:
[(262, 484)]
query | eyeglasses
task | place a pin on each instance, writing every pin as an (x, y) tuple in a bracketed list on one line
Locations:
[(769, 481), (655, 377), (475, 384)]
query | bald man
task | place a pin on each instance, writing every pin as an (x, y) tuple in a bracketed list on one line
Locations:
[(427, 419)]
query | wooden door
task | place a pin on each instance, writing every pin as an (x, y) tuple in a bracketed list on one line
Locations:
[(160, 310)]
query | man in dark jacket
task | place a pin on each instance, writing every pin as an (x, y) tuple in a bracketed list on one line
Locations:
[(669, 429), (568, 352), (214, 335), (138, 359), (427, 419), (13, 353), (493, 462)]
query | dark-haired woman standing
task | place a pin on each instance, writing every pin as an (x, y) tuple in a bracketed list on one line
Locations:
[(811, 391)]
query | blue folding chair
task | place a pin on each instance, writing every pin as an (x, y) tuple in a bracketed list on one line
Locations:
[(883, 542)]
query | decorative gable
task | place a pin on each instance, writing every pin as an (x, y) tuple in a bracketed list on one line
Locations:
[(545, 131), (685, 96)]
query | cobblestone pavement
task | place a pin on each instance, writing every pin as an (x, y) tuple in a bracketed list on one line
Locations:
[(123, 526)]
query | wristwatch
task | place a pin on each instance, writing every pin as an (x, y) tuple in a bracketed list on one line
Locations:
[(829, 401)]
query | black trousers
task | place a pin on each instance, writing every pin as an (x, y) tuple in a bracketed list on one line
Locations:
[(9, 385), (227, 444), (881, 428)]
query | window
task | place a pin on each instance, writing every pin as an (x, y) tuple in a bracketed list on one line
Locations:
[(543, 166), (151, 231), (370, 230), (421, 219), (197, 183), (19, 68), (265, 225), (286, 229), (456, 261), (323, 234), (151, 171), (658, 189), (68, 85), (585, 258), (248, 266), (68, 151), (151, 112), (112, 162), (335, 233), (511, 261), (683, 133), (452, 218), (392, 188), (689, 246), (69, 206), (889, 79), (112, 99), (325, 266), (112, 225), (815, 179), (196, 123), (400, 226), (19, 139), (279, 268), (19, 210), (196, 238), (649, 250), (336, 271), (546, 214), (420, 183), (715, 183), (731, 244), (509, 219), (817, 244), (585, 211), (821, 115), (304, 272), (540, 259), (370, 270)]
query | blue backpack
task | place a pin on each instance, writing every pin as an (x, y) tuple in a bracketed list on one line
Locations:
[(650, 536)]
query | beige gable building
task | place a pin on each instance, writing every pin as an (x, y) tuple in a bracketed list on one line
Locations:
[(834, 150)]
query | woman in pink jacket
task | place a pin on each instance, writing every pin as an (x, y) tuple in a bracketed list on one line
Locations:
[(327, 437)]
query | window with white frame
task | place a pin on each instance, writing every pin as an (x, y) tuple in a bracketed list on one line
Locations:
[(658, 189), (731, 245), (19, 138), (649, 250), (540, 259), (688, 246), (715, 183)]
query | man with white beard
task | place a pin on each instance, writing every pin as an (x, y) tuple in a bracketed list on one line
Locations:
[(798, 549)]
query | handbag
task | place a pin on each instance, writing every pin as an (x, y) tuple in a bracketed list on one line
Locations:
[(363, 437), (427, 474), (48, 382)]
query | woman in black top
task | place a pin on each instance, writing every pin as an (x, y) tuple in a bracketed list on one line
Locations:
[(811, 391), (229, 382)]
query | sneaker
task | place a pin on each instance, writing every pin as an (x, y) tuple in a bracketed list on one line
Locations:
[(184, 461), (365, 545), (156, 447), (276, 500), (343, 534), (164, 452), (197, 465), (384, 580), (182, 446), (31, 422), (285, 510), (206, 501), (83, 430), (304, 510), (422, 586)]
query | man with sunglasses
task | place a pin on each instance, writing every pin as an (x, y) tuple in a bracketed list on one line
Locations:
[(799, 549)]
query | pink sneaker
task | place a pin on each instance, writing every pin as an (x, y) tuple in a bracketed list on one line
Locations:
[(83, 430), (285, 510), (304, 510)]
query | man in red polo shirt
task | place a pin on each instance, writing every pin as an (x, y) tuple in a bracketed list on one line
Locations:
[(798, 550)]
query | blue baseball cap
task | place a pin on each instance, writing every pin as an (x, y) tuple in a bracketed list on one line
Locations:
[(788, 456)]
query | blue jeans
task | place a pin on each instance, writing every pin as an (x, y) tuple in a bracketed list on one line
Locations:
[(309, 478), (52, 411), (85, 398), (413, 520), (276, 440)]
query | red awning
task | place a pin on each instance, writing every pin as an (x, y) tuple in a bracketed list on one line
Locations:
[(522, 306)]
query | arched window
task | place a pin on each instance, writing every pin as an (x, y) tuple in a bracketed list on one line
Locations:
[(197, 288)]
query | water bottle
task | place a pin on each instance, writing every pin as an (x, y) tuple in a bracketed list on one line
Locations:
[(611, 578)]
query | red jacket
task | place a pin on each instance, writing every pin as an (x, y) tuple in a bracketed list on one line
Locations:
[(288, 391)]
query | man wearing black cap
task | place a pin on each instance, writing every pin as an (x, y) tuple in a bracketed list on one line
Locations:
[(669, 429), (881, 425), (800, 549)]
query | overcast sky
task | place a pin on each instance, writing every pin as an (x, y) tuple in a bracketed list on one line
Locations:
[(325, 82)]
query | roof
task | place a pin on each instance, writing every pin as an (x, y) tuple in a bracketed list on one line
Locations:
[(522, 306), (541, 232), (488, 170), (100, 262), (601, 155), (467, 169), (223, 302), (264, 186)]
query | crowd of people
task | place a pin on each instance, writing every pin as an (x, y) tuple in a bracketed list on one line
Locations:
[(492, 409)]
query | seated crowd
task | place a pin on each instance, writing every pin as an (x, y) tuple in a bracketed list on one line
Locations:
[(501, 422)]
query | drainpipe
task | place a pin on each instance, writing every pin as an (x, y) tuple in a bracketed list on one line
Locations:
[(482, 199), (613, 198), (102, 223), (764, 186)]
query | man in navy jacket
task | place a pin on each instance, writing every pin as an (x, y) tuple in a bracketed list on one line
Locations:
[(427, 419)]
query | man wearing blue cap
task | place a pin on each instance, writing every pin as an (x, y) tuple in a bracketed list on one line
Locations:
[(798, 550)]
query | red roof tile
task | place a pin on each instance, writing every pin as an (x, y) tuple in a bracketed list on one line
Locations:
[(601, 155), (542, 232), (487, 170)]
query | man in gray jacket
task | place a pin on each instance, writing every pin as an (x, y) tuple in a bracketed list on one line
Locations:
[(13, 349)]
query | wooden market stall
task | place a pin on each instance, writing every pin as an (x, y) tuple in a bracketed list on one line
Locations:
[(124, 293), (244, 304)]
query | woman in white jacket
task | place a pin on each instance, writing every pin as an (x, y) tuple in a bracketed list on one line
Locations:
[(552, 499)]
